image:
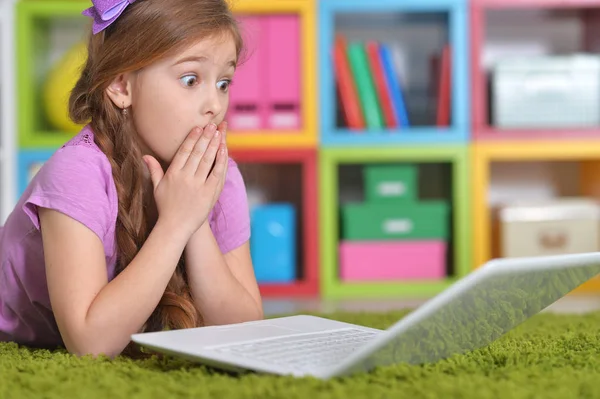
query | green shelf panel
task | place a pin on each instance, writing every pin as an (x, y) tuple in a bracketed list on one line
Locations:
[(32, 42)]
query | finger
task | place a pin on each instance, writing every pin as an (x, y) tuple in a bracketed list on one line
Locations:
[(223, 129), (218, 171), (208, 159), (199, 149), (156, 171), (186, 148)]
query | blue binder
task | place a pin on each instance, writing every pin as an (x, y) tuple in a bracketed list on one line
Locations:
[(273, 242)]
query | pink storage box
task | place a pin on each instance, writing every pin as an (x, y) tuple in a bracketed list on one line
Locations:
[(246, 106), (282, 57), (392, 260)]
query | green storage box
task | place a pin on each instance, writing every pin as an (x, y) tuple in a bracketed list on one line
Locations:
[(410, 221), (385, 183)]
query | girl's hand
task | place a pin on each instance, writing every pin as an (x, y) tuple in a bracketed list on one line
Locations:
[(187, 192), (223, 129)]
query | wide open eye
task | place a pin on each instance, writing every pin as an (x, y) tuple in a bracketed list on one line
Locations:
[(189, 80), (223, 85)]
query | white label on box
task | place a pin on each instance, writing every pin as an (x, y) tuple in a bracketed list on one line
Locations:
[(395, 226), (389, 188), (250, 122), (284, 121)]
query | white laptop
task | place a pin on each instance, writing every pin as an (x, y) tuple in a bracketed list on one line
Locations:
[(470, 314)]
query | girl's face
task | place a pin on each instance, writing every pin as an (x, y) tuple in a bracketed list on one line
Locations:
[(174, 95)]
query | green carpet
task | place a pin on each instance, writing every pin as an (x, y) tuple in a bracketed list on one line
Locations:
[(550, 356)]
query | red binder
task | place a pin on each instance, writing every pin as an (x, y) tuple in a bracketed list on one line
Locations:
[(346, 86)]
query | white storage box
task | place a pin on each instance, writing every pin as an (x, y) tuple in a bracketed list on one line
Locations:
[(547, 92), (561, 226)]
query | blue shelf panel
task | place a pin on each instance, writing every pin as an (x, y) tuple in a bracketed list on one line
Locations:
[(26, 160), (458, 36), (416, 135), (389, 5)]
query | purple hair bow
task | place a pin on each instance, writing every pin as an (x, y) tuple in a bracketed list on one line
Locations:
[(105, 12)]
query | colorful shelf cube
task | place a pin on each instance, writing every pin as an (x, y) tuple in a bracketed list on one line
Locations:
[(434, 134), (482, 129), (306, 281), (484, 154), (332, 285)]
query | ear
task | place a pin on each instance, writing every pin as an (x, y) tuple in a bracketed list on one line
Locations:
[(119, 91)]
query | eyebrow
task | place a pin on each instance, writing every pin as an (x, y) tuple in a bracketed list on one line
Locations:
[(200, 59)]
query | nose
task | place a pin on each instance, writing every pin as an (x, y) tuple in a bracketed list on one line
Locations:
[(213, 104)]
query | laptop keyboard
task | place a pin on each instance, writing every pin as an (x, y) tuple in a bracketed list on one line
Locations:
[(302, 351)]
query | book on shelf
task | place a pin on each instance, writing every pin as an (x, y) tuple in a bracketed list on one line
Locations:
[(381, 84), (345, 85), (370, 90), (443, 90), (362, 73), (394, 86)]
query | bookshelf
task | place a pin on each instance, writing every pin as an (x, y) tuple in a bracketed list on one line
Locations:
[(443, 22), (462, 156), (7, 111)]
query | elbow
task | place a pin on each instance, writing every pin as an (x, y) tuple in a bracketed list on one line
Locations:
[(260, 314), (257, 314), (93, 350), (89, 344), (247, 315)]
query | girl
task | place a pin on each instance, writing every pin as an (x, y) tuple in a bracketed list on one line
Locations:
[(117, 234)]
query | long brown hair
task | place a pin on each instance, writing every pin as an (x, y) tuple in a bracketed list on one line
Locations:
[(147, 31)]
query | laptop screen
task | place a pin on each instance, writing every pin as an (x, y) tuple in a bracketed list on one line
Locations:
[(476, 311)]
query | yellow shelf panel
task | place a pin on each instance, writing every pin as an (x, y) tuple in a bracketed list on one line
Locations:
[(483, 154), (264, 6), (271, 140), (538, 150)]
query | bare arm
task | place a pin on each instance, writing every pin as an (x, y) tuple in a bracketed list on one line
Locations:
[(94, 316), (223, 286)]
